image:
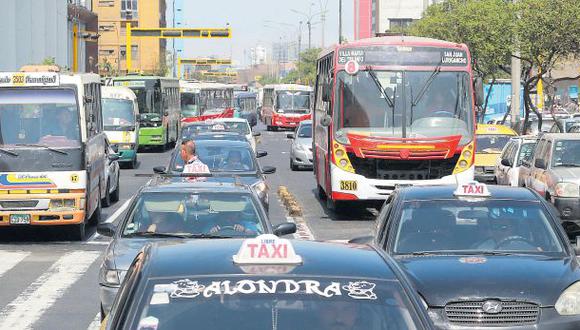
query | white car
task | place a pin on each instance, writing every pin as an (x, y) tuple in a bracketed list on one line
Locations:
[(508, 166), (112, 174), (241, 126)]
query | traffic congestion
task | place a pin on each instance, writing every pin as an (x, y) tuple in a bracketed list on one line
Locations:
[(381, 188)]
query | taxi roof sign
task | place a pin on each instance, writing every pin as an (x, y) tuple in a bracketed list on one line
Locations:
[(29, 79), (267, 249), (472, 189)]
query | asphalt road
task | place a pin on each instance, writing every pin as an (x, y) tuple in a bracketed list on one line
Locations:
[(49, 283)]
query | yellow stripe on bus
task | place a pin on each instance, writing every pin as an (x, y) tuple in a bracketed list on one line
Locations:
[(404, 146)]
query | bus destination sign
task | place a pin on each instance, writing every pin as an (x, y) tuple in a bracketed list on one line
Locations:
[(403, 56)]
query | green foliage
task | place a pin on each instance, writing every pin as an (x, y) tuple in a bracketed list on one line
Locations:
[(49, 61), (305, 72)]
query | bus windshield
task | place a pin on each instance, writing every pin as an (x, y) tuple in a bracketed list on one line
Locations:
[(406, 104), (149, 101), (48, 117), (118, 115), (190, 104), (216, 100), (292, 101)]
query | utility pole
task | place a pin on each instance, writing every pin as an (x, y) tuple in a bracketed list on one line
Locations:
[(339, 21), (173, 44), (309, 23), (516, 76)]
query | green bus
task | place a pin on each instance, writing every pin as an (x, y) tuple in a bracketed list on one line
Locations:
[(159, 108)]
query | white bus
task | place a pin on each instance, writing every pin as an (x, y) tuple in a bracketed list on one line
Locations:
[(121, 122), (52, 150)]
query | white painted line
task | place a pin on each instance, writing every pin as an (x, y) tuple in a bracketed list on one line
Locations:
[(41, 294), (120, 210), (97, 242), (302, 229), (11, 259), (96, 324)]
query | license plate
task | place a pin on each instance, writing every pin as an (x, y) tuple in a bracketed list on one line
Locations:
[(20, 219), (348, 185)]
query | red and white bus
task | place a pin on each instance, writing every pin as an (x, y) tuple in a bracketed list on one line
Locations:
[(206, 101), (393, 111), (285, 105)]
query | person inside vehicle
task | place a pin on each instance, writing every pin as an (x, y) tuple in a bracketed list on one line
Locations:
[(428, 230), (166, 222), (234, 162), (503, 235), (232, 221), (192, 164), (65, 125), (338, 315)]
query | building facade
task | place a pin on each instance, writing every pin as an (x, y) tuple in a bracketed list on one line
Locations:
[(148, 54), (363, 19), (59, 31)]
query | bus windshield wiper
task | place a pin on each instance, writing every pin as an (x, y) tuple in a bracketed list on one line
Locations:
[(377, 82), (427, 84), (9, 152), (58, 151)]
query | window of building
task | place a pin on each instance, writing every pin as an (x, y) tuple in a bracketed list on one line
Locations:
[(134, 52), (400, 23), (106, 3), (106, 27), (129, 9)]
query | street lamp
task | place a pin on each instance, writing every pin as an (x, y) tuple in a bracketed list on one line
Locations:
[(309, 16)]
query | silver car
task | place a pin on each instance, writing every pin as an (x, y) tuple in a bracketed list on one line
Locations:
[(301, 149), (508, 167)]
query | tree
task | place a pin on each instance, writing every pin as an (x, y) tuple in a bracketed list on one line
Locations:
[(305, 72)]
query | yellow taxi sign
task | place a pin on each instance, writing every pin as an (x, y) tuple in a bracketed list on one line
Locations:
[(267, 249), (472, 189)]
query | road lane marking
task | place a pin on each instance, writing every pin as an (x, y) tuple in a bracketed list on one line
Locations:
[(41, 294), (11, 259), (96, 324), (110, 219)]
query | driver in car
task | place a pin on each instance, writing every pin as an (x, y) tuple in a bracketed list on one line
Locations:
[(232, 221), (234, 162), (503, 235)]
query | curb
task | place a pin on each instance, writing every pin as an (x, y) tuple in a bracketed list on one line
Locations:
[(295, 214)]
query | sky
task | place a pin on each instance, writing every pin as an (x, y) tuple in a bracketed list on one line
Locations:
[(259, 22)]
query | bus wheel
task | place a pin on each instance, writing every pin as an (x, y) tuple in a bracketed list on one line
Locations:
[(106, 201), (268, 128), (335, 206), (77, 232), (321, 193), (96, 217)]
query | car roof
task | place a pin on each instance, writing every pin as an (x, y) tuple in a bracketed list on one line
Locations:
[(177, 183), (211, 257), (225, 143), (447, 192), (561, 136)]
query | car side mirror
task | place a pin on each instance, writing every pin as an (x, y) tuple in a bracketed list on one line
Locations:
[(540, 163), (256, 134), (268, 170), (479, 94), (285, 228), (159, 170), (260, 154), (290, 136), (325, 120), (114, 157), (361, 240), (506, 162), (106, 229)]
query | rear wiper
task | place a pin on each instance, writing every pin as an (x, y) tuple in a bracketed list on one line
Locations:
[(62, 152), (9, 152)]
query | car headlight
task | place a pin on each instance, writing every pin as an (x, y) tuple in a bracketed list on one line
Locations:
[(569, 301), (260, 188), (112, 277), (567, 189)]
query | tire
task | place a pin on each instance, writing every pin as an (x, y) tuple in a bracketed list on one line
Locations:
[(77, 232), (106, 202), (102, 313), (96, 217), (114, 197), (335, 206), (320, 192), (133, 163), (293, 167), (268, 128)]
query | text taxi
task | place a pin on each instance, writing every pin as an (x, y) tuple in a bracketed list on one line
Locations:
[(265, 283), (52, 150), (484, 256)]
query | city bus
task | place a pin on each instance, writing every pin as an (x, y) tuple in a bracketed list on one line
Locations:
[(159, 108), (190, 99), (52, 150), (120, 121), (285, 105), (393, 111), (216, 101)]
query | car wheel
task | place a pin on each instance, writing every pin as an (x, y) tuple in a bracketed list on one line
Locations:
[(107, 199), (293, 167), (268, 128), (102, 313), (133, 163), (115, 194)]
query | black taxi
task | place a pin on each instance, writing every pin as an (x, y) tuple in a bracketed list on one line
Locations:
[(265, 282), (484, 256)]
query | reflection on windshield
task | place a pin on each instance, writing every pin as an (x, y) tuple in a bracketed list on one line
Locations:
[(566, 153), (118, 113), (452, 225), (334, 304), (491, 143), (184, 213), (444, 108), (221, 158), (305, 131), (247, 104), (293, 102), (43, 116)]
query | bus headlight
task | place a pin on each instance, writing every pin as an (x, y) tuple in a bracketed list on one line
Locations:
[(569, 301), (341, 158), (61, 204), (465, 159), (567, 189)]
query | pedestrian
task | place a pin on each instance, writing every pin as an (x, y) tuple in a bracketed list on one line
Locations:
[(192, 163)]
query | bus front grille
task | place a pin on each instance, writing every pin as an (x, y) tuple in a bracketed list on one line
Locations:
[(411, 170)]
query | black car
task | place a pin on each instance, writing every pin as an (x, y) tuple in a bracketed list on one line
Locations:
[(219, 156), (484, 256), (181, 208), (265, 283)]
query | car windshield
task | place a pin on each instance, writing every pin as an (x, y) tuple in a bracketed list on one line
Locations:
[(238, 127), (189, 104), (221, 158), (526, 152), (48, 117), (491, 144), (566, 153), (273, 303), (293, 101), (195, 214), (305, 131), (410, 104), (118, 114), (466, 226)]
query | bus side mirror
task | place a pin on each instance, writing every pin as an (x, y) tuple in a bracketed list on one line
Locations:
[(325, 120), (88, 99), (326, 92), (479, 95)]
